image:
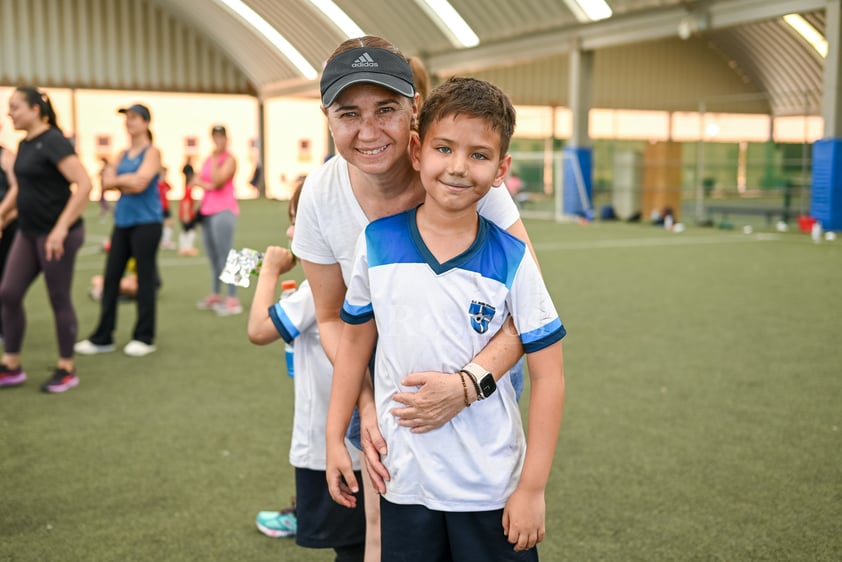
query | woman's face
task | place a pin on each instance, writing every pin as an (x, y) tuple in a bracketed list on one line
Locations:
[(23, 117), (135, 125), (220, 141), (371, 127)]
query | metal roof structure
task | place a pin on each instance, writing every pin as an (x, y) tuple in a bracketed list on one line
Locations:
[(737, 50)]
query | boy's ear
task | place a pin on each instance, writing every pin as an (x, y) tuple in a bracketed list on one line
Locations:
[(415, 151), (502, 170)]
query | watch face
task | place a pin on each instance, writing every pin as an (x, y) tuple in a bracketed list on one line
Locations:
[(487, 385)]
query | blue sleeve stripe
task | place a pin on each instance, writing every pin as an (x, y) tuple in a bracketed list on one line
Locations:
[(365, 315), (543, 336), (352, 314), (282, 323)]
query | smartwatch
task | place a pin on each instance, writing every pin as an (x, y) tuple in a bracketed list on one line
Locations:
[(483, 380)]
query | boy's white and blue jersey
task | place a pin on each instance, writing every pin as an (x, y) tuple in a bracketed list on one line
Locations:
[(295, 319), (438, 317)]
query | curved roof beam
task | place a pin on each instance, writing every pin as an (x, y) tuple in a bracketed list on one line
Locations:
[(618, 30), (448, 20), (271, 35), (339, 18)]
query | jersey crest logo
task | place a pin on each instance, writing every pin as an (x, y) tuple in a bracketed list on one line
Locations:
[(481, 315)]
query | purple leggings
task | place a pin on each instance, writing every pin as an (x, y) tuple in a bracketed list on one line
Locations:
[(27, 258)]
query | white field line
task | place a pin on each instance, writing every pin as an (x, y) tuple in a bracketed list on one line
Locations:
[(93, 246), (653, 242)]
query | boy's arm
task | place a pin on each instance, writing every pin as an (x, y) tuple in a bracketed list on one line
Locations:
[(355, 348), (329, 290), (524, 514), (276, 262)]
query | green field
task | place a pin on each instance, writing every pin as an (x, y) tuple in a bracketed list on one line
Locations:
[(702, 422)]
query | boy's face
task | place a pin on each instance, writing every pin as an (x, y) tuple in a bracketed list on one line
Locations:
[(371, 127), (459, 161)]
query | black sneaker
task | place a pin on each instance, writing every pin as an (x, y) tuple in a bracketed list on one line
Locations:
[(11, 377), (61, 381)]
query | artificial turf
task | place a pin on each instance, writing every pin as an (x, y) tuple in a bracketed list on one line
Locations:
[(702, 419)]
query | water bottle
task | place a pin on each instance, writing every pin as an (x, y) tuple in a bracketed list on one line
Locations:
[(288, 288)]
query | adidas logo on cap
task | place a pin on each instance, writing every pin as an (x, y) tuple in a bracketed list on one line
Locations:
[(364, 61)]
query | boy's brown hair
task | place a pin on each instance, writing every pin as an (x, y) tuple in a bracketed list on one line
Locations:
[(474, 98)]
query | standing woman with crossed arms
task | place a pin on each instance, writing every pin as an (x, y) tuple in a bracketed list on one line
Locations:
[(50, 234), (138, 219), (219, 211)]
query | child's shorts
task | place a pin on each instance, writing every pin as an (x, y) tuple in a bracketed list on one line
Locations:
[(323, 523), (414, 533)]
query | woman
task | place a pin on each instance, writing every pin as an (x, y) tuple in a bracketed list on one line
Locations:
[(370, 111), (219, 212), (8, 224), (50, 233), (137, 234)]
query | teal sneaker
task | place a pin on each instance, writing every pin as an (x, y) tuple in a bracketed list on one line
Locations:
[(277, 524)]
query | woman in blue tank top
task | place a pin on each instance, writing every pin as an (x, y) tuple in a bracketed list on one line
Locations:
[(138, 219)]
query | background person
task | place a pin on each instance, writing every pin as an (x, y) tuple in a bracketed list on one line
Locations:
[(219, 210), (316, 521), (8, 223), (136, 234), (50, 233), (164, 189)]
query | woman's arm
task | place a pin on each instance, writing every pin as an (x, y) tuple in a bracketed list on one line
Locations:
[(220, 173), (439, 397), (134, 182), (71, 168), (328, 295)]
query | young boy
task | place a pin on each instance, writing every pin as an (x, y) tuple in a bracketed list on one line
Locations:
[(431, 287), (318, 522)]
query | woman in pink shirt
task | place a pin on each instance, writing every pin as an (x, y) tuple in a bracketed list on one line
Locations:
[(219, 210)]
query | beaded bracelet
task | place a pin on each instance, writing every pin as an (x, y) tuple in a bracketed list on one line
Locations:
[(464, 389)]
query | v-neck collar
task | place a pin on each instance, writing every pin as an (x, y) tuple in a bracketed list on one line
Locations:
[(428, 256)]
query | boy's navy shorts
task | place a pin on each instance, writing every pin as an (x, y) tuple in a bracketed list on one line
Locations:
[(323, 523), (414, 533)]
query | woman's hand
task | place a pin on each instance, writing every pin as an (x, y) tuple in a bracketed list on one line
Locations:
[(439, 398), (54, 244)]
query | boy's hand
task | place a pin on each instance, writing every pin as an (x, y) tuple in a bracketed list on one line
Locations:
[(339, 471), (277, 261), (524, 518)]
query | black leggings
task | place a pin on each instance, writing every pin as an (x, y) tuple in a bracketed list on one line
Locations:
[(140, 242), (26, 260), (5, 245)]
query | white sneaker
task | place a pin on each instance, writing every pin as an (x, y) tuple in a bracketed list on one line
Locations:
[(230, 307), (137, 348), (87, 347)]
